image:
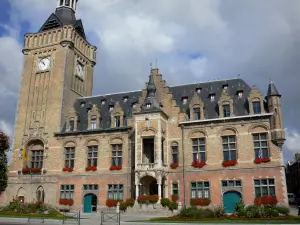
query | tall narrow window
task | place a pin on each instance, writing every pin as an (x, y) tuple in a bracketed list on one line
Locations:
[(37, 159), (261, 148), (71, 124), (61, 2), (67, 2), (196, 113), (264, 187), (117, 121), (93, 123), (67, 191), (200, 190), (116, 155), (199, 149), (115, 191), (92, 156), (175, 154), (69, 157), (226, 110), (229, 147), (256, 108), (175, 189)]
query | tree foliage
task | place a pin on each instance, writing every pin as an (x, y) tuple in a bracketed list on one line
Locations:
[(4, 148)]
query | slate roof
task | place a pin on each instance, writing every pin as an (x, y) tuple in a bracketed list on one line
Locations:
[(272, 90), (63, 16), (241, 107)]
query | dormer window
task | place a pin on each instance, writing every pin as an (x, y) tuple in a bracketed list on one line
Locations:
[(111, 108), (148, 105), (184, 100), (225, 86), (196, 112), (103, 101), (88, 110), (226, 110), (198, 90), (256, 107), (134, 105), (240, 94), (71, 124), (117, 121), (93, 123), (125, 99), (212, 97), (82, 104)]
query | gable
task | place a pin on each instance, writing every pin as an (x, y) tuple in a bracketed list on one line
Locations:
[(51, 23)]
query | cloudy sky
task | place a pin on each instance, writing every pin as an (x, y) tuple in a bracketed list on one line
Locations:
[(192, 40)]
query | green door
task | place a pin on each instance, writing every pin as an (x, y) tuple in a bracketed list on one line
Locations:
[(230, 199), (87, 203)]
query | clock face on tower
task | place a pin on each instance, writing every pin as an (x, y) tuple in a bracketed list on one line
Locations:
[(44, 64), (79, 69)]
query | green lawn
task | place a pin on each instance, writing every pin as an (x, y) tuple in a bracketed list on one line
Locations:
[(37, 216)]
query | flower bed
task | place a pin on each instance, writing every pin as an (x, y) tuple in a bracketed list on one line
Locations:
[(146, 199), (198, 164), (31, 170), (91, 168), (115, 167), (227, 163), (68, 169), (267, 200), (174, 165), (262, 160), (66, 201), (174, 198), (112, 203), (200, 201)]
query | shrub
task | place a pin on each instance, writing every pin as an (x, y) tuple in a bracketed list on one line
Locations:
[(240, 206), (173, 206), (283, 210), (130, 202), (188, 212), (153, 199), (194, 213), (200, 201), (123, 206), (218, 211), (253, 211), (165, 202)]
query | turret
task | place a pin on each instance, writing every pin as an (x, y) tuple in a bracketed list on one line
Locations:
[(274, 106)]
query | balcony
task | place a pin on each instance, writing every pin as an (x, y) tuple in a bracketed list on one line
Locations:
[(146, 166)]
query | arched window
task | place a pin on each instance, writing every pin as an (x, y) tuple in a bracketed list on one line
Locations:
[(40, 194)]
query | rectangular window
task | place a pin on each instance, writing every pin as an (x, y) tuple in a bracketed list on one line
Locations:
[(199, 149), (261, 147), (116, 155), (175, 190), (93, 123), (226, 110), (67, 2), (256, 108), (231, 183), (117, 121), (175, 154), (115, 191), (69, 157), (67, 191), (92, 156), (37, 159), (229, 147), (200, 189), (90, 187), (71, 124), (196, 113), (264, 187)]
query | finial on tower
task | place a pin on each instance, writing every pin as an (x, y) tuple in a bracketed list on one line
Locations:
[(72, 4)]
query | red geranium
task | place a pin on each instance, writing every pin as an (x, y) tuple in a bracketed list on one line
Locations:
[(198, 164), (115, 167), (174, 165), (266, 200), (174, 198), (145, 199), (262, 160), (112, 202), (227, 163), (69, 169), (31, 170), (66, 201), (91, 168), (200, 201)]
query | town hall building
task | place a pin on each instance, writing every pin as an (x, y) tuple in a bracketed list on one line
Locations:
[(219, 140)]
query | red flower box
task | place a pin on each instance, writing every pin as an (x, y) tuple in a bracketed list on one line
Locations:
[(198, 164), (31, 170), (91, 168), (227, 163), (266, 200), (115, 167), (112, 202), (200, 201), (145, 199), (66, 201), (262, 160), (174, 198), (69, 169), (174, 165)]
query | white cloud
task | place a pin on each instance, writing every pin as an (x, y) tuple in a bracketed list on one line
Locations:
[(6, 128), (292, 143)]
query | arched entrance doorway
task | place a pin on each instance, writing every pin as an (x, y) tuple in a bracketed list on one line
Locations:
[(40, 194), (148, 186), (230, 199), (90, 203)]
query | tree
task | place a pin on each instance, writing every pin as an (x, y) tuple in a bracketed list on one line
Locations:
[(4, 148)]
